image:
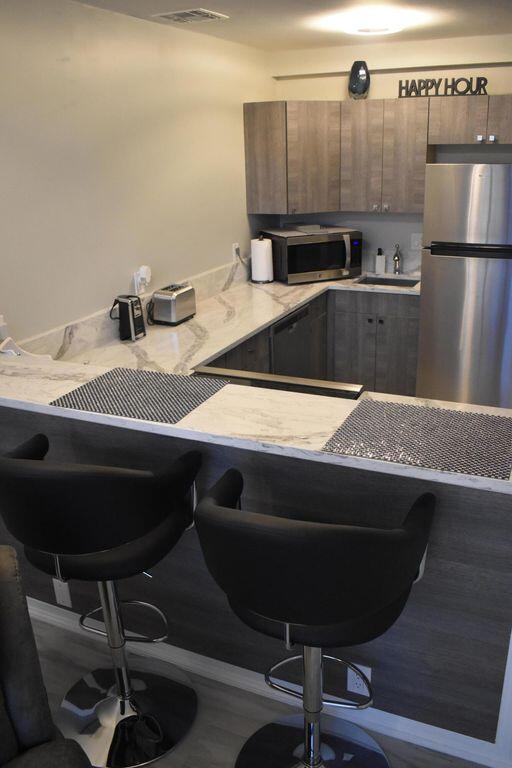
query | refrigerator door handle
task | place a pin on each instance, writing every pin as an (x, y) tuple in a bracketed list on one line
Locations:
[(471, 250)]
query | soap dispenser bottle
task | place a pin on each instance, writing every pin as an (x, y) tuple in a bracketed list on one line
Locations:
[(380, 262)]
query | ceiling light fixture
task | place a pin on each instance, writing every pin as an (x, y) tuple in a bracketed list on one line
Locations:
[(372, 20)]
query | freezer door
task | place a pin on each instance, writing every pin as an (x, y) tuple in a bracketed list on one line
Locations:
[(468, 204), (466, 328)]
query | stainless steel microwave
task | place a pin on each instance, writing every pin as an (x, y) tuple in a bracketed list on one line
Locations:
[(327, 253)]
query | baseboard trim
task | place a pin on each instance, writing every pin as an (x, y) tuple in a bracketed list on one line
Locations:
[(493, 755)]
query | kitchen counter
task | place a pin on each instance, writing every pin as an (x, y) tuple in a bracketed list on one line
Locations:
[(221, 322), (458, 612), (271, 421)]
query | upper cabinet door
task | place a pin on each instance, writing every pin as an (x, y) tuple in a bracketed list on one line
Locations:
[(313, 133), (458, 119), (362, 125), (404, 155), (265, 157), (499, 124)]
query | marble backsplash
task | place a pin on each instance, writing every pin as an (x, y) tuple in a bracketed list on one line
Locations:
[(98, 329)]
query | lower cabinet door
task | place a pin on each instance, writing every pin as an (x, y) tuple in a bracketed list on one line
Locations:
[(396, 357), (251, 355), (354, 348)]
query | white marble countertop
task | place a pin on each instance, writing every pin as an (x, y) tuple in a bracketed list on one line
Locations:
[(273, 421), (221, 322)]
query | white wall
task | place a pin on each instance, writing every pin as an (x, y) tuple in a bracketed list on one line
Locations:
[(121, 143), (315, 73)]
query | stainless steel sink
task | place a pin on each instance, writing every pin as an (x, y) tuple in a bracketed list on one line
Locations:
[(401, 282)]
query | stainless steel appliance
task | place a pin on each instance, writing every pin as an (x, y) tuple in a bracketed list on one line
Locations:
[(172, 305), (130, 316), (465, 350), (326, 253)]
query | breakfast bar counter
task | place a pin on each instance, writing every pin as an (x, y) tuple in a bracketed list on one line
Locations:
[(442, 667)]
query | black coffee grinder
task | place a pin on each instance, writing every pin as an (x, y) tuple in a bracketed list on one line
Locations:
[(131, 318)]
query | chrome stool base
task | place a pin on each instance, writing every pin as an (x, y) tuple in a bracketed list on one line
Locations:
[(281, 745), (117, 733)]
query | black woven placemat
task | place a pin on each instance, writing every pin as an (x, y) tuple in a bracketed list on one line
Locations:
[(422, 436), (146, 395)]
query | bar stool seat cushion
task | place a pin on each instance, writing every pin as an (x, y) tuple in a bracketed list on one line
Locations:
[(121, 562), (356, 631)]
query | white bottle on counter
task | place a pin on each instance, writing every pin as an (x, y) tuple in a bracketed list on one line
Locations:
[(380, 262)]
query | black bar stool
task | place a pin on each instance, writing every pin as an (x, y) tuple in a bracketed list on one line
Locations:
[(102, 524), (318, 585)]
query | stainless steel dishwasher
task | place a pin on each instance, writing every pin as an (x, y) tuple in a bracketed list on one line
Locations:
[(290, 340)]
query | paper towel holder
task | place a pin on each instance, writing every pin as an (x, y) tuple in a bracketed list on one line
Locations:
[(262, 267)]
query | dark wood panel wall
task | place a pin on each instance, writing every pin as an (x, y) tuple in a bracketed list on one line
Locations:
[(444, 660)]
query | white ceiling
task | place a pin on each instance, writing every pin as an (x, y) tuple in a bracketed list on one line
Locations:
[(283, 24)]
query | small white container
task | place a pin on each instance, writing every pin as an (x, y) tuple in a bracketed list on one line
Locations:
[(380, 262)]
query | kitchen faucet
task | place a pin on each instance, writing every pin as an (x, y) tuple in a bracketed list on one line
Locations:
[(397, 260)]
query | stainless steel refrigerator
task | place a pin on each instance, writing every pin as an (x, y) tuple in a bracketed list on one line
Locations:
[(465, 350)]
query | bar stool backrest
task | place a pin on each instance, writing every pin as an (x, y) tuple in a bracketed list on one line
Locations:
[(74, 509), (308, 573)]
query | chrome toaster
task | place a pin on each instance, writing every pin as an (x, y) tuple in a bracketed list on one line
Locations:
[(172, 305)]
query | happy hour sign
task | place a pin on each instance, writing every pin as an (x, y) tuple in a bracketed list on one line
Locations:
[(443, 86)]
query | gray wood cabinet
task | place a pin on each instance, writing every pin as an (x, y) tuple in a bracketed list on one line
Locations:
[(499, 120), (313, 156), (265, 157), (396, 354), (354, 348), (292, 152), (383, 155), (457, 119), (253, 354), (470, 120), (376, 341), (404, 155), (362, 125), (354, 337), (368, 155)]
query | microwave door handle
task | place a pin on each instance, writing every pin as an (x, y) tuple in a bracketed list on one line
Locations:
[(348, 251)]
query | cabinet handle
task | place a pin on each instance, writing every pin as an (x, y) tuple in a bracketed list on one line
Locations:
[(386, 207), (479, 138), (369, 319), (381, 321), (375, 207), (492, 138)]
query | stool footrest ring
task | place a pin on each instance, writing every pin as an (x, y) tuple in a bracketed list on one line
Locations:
[(129, 638), (340, 704)]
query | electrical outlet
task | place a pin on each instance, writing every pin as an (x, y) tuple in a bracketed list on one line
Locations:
[(4, 331), (416, 239), (354, 683), (62, 593)]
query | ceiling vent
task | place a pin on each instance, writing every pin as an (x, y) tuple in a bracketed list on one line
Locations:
[(191, 16)]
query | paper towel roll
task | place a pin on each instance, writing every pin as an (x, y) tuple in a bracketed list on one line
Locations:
[(262, 270)]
